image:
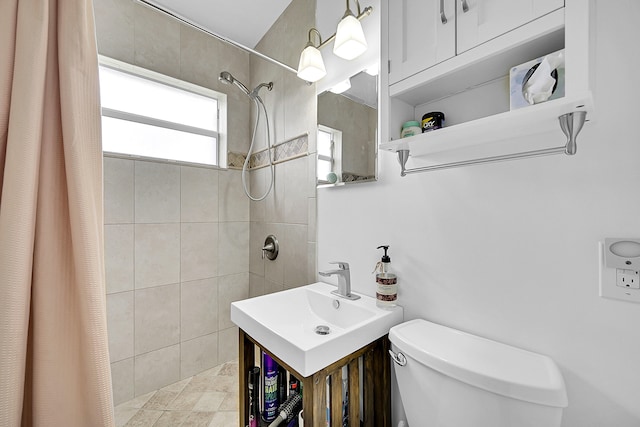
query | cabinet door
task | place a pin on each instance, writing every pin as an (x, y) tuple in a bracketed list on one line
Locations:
[(483, 20), (421, 34)]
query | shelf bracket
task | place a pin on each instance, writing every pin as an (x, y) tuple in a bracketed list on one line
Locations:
[(570, 123)]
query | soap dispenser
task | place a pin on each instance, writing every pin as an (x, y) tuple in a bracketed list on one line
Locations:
[(386, 281)]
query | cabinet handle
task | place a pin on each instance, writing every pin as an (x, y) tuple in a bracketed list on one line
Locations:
[(465, 6), (443, 17)]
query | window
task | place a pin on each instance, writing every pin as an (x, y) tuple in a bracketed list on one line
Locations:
[(147, 114), (329, 153)]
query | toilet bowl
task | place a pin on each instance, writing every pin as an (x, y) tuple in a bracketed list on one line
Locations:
[(449, 378)]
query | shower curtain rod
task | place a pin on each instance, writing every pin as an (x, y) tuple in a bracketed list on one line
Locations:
[(217, 36)]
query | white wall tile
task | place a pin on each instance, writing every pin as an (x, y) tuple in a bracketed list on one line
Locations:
[(272, 287), (157, 192), (228, 345), (160, 54), (199, 194), (294, 256), (122, 380), (113, 15), (274, 269), (199, 308), (311, 219), (312, 264), (300, 107), (120, 325), (118, 257), (256, 285), (157, 318), (232, 288), (198, 355), (234, 204), (295, 191), (157, 254), (157, 369), (199, 251), (257, 237), (274, 202), (259, 182), (118, 191), (233, 251)]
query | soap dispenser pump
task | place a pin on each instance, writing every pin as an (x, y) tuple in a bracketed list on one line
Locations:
[(386, 282)]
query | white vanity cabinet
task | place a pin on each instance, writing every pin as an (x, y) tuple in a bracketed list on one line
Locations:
[(467, 78), (479, 21)]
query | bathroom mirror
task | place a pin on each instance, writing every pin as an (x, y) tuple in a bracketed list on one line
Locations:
[(348, 133)]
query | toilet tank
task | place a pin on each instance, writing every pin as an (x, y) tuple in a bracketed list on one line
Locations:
[(454, 379)]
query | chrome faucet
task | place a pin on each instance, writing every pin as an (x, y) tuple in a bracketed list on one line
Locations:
[(344, 280)]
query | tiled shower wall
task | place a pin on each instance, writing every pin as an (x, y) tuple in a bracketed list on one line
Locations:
[(176, 236), (289, 211), (177, 249), (181, 240)]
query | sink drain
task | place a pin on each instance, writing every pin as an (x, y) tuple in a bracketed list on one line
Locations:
[(322, 330)]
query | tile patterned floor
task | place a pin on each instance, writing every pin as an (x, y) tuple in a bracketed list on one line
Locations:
[(209, 399)]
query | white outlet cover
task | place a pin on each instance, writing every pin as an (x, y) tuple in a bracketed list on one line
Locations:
[(608, 287)]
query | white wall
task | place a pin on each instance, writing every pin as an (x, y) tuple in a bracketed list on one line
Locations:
[(510, 251)]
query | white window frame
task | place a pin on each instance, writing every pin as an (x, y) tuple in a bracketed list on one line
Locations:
[(336, 152), (221, 98)]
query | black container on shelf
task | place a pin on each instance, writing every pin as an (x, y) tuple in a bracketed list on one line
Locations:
[(432, 121)]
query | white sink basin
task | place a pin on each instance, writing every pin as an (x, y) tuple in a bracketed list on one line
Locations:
[(285, 324)]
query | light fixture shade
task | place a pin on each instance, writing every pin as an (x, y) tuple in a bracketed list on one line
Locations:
[(350, 42), (311, 66)]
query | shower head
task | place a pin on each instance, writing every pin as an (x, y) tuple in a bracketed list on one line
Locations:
[(226, 78)]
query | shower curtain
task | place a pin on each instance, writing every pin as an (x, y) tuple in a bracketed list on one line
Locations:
[(54, 360)]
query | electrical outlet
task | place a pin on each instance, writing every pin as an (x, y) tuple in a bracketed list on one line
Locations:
[(618, 282), (627, 278)]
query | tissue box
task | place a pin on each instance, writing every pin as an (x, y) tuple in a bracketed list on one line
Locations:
[(517, 77)]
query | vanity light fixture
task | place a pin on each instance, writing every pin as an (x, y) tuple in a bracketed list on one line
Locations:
[(349, 44), (311, 66)]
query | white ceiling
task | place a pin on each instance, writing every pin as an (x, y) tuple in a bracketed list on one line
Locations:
[(243, 21)]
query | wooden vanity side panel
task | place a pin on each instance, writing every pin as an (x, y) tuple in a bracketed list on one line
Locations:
[(319, 399), (354, 393), (336, 397), (382, 388), (369, 383), (246, 353)]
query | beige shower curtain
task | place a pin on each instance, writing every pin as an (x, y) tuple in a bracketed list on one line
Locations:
[(54, 361)]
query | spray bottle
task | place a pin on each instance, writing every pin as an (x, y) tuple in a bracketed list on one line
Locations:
[(386, 282), (254, 410), (270, 388)]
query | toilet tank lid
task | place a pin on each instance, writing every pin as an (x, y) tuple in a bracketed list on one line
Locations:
[(483, 363)]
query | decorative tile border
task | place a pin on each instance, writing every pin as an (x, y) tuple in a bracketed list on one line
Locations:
[(282, 152), (235, 160)]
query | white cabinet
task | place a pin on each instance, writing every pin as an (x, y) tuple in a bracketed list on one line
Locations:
[(421, 34), (481, 20), (425, 33), (471, 86)]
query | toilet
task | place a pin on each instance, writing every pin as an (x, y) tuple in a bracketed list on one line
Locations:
[(449, 378)]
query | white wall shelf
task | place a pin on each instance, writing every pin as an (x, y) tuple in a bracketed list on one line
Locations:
[(531, 120)]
